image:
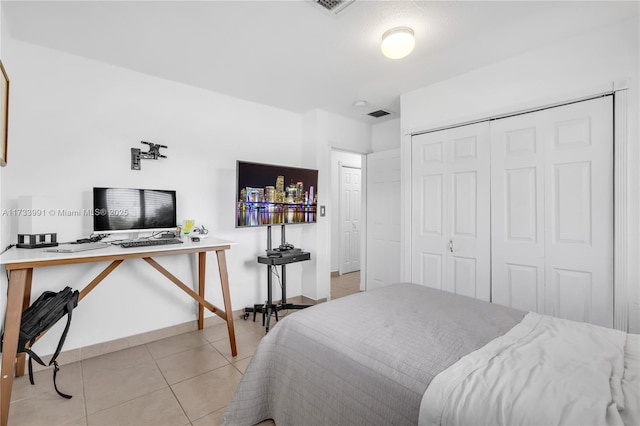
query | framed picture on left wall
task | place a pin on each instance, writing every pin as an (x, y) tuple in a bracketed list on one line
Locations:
[(4, 115)]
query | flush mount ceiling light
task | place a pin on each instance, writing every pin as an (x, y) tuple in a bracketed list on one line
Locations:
[(397, 42)]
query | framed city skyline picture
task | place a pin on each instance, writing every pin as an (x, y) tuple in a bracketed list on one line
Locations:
[(269, 194)]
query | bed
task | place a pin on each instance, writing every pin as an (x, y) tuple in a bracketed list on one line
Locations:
[(411, 355)]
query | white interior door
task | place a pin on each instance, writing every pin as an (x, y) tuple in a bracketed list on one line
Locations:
[(552, 208), (383, 218), (350, 198), (451, 210)]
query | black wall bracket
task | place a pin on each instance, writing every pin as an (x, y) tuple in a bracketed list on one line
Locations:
[(152, 154)]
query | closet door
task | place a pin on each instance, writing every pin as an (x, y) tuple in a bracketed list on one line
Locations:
[(450, 210), (518, 211), (552, 211)]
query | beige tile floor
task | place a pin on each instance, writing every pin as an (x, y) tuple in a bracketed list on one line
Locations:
[(344, 285), (183, 380)]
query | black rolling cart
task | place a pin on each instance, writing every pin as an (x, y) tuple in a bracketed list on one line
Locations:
[(282, 256)]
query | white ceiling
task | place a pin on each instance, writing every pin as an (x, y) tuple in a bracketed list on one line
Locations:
[(296, 56)]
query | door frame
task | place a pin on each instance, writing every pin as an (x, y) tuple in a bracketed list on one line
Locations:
[(334, 218), (621, 204)]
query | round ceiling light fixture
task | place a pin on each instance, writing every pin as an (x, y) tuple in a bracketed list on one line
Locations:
[(397, 42)]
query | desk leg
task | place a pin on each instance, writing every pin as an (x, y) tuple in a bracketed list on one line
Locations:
[(19, 286), (26, 300), (226, 295), (202, 263)]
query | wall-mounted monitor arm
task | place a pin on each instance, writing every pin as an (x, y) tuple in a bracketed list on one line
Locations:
[(152, 154)]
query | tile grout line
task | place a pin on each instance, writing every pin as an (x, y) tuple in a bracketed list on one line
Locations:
[(84, 394)]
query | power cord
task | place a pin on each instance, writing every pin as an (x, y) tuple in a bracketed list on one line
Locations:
[(200, 230), (274, 271), (8, 247), (91, 239)]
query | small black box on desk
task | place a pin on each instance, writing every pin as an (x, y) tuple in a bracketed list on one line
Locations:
[(31, 241)]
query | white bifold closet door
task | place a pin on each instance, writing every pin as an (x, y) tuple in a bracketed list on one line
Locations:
[(450, 242), (552, 211), (519, 211)]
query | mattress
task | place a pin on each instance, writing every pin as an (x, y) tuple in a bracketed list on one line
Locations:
[(365, 359)]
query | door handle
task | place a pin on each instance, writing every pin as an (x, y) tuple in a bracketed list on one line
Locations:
[(451, 245)]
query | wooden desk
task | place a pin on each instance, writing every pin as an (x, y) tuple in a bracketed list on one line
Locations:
[(21, 262)]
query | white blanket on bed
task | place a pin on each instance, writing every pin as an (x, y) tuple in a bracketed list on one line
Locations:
[(543, 371)]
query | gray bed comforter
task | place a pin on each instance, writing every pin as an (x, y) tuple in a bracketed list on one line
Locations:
[(365, 359)]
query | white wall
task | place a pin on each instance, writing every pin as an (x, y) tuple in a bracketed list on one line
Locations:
[(567, 69), (593, 62), (73, 122), (323, 132), (385, 135)]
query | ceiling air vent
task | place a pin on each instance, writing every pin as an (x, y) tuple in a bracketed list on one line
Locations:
[(333, 6), (379, 113)]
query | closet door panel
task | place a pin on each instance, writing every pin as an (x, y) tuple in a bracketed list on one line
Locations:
[(429, 200), (552, 211), (431, 203), (465, 204), (463, 276), (469, 257), (520, 198), (517, 213), (571, 212), (430, 271), (579, 212), (450, 213), (572, 294), (522, 287)]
